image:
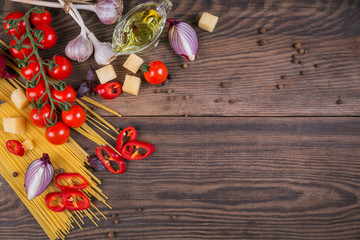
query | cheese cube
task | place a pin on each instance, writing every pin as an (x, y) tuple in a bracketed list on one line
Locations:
[(131, 85), (106, 74), (208, 21), (14, 125), (133, 63), (28, 145), (19, 99)]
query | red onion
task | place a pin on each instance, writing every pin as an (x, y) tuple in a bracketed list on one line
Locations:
[(3, 72), (38, 177), (183, 39)]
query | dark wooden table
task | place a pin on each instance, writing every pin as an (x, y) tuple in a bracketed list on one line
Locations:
[(263, 162)]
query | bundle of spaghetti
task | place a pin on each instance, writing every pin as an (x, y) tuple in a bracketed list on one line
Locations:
[(69, 156)]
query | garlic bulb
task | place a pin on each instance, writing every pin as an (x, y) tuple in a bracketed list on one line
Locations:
[(103, 50), (80, 48)]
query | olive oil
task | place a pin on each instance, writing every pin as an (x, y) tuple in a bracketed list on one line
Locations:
[(139, 30)]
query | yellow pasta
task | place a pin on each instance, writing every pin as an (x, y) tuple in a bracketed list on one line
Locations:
[(69, 156)]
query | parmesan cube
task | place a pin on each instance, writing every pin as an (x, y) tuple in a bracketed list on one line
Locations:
[(133, 63), (131, 85), (14, 125), (208, 21), (28, 145), (19, 99), (106, 74)]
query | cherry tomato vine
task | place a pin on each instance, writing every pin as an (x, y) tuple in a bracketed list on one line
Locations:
[(25, 47)]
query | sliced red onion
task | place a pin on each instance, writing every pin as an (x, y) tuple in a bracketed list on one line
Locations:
[(183, 39), (38, 177)]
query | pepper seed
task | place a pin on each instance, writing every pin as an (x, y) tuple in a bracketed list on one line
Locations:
[(302, 72), (186, 115), (165, 82), (301, 62), (118, 129), (15, 174), (173, 217), (157, 90), (184, 65), (114, 215), (262, 30), (339, 101), (305, 51), (262, 42), (218, 100), (93, 93), (283, 76), (187, 97), (232, 101), (139, 209), (116, 221), (317, 65), (295, 56), (111, 235), (301, 51), (279, 86), (297, 45), (169, 91), (294, 61), (224, 84)]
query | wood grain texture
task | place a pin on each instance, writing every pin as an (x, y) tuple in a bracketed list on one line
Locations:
[(226, 178), (329, 30)]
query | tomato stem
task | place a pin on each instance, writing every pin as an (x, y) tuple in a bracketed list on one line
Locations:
[(41, 64)]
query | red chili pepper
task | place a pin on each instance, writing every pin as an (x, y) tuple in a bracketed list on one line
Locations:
[(54, 202), (111, 159), (70, 179), (125, 135), (109, 90), (74, 200), (15, 147), (136, 150)]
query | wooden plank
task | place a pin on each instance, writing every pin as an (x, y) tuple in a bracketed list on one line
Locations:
[(328, 30), (226, 178)]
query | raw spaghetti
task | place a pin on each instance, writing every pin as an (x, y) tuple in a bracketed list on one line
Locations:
[(69, 156)]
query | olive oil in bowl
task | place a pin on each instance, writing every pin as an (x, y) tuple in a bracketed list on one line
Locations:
[(141, 28)]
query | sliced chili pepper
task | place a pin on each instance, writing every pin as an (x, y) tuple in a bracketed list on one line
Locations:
[(111, 159), (74, 200), (54, 202), (71, 180), (109, 90), (125, 135), (137, 150), (15, 147)]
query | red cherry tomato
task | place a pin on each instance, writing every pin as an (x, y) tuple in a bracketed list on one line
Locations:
[(57, 134), (75, 117), (36, 92), (42, 18), (63, 70), (155, 73), (20, 27), (33, 68), (50, 37), (68, 94), (39, 116), (19, 54), (15, 147)]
